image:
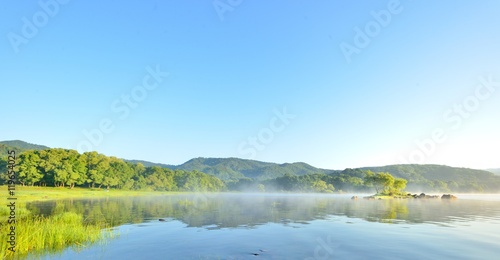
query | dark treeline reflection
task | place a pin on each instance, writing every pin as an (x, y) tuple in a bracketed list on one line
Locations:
[(214, 211)]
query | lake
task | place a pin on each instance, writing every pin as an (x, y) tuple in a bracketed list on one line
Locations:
[(287, 226)]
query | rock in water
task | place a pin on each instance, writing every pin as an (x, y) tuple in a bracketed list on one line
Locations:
[(448, 196)]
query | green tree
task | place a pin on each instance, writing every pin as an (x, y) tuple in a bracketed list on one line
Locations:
[(28, 170), (52, 166), (384, 182), (322, 186), (97, 165), (117, 173), (288, 182), (160, 179), (76, 168), (117, 169), (440, 186), (399, 184)]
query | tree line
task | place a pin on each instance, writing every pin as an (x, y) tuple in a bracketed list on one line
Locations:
[(68, 168), (351, 180)]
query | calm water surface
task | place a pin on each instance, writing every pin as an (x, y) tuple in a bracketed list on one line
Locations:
[(291, 226)]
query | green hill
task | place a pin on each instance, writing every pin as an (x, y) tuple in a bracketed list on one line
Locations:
[(441, 177), (18, 146), (235, 168), (150, 164)]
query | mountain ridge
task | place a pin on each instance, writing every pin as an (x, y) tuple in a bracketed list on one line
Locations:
[(236, 168), (19, 146)]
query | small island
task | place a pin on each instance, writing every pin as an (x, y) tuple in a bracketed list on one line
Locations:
[(389, 187)]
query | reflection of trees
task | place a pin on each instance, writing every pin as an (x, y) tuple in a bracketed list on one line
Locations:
[(393, 210), (238, 210)]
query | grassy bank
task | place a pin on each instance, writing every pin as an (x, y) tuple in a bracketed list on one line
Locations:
[(29, 193), (38, 235)]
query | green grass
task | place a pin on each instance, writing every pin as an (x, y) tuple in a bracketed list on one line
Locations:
[(40, 235), (29, 193)]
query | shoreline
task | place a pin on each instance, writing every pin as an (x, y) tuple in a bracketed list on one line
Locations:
[(35, 193)]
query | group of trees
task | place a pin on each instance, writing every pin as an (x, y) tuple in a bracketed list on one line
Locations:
[(287, 182), (61, 168), (306, 183), (385, 183), (351, 180)]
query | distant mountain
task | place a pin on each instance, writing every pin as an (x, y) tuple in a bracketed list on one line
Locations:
[(235, 168), (442, 176), (150, 164), (494, 171), (18, 146)]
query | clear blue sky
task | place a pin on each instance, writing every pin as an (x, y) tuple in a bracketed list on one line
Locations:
[(65, 67)]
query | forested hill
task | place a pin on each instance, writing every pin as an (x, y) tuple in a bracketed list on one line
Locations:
[(235, 168), (18, 146), (151, 164), (442, 177)]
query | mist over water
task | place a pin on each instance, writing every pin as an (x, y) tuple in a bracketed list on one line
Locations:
[(289, 226)]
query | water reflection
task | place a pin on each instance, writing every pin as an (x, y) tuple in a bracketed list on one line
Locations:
[(217, 211)]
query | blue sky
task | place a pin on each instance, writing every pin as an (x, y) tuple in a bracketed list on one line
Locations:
[(268, 80)]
